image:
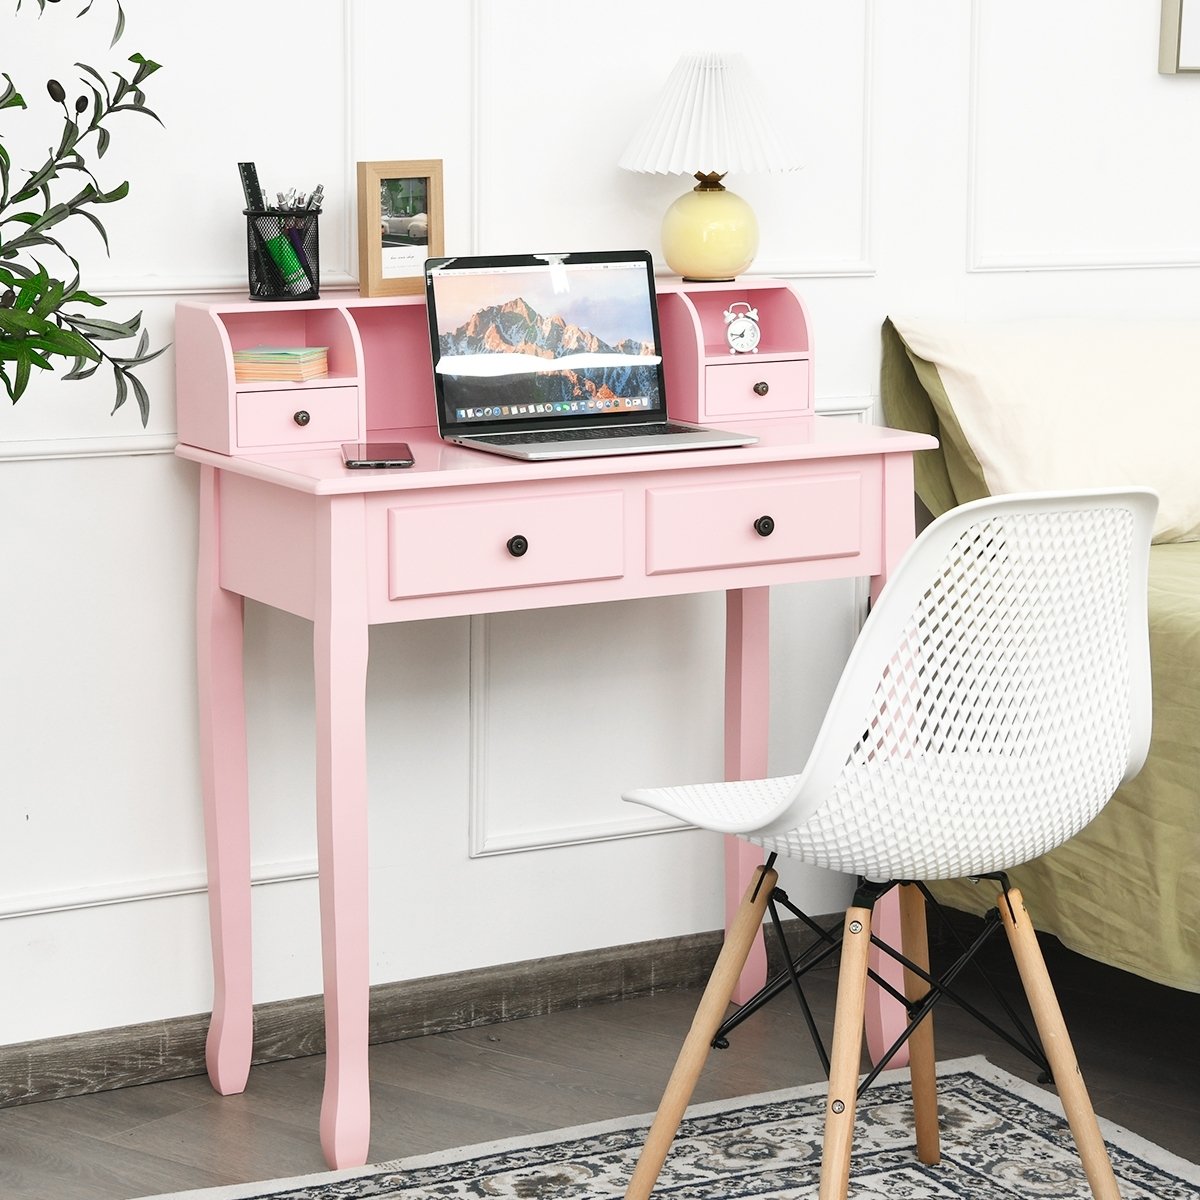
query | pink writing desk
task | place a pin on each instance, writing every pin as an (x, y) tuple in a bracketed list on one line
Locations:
[(284, 523)]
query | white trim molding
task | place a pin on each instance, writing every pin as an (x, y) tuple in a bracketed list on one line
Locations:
[(39, 904), (983, 260), (487, 834)]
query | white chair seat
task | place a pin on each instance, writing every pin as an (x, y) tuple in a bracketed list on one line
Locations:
[(941, 835), (856, 831), (736, 807)]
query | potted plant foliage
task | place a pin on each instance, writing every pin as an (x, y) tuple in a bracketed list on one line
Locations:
[(46, 316)]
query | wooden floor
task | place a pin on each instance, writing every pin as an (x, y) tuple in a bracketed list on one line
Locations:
[(1135, 1041)]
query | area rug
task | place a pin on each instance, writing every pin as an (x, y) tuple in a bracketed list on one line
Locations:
[(1002, 1138)]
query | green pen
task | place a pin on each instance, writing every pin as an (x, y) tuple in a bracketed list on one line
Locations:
[(294, 278)]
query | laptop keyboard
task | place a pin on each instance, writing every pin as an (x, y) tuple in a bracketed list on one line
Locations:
[(583, 434)]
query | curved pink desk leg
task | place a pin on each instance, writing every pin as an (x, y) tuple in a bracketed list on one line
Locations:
[(340, 670), (747, 731), (885, 1015), (226, 802)]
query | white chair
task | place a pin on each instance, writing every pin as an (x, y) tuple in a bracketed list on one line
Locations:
[(997, 696)]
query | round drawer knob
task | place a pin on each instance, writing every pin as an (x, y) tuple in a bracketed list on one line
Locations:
[(517, 545), (301, 418), (764, 526), (761, 388)]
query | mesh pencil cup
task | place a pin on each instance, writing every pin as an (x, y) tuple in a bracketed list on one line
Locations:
[(283, 253)]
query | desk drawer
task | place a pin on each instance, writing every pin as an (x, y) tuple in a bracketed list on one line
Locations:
[(521, 542), (729, 388), (276, 418), (702, 528)]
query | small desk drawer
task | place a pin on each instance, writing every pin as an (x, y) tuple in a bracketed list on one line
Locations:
[(297, 418), (703, 528), (521, 542), (782, 388)]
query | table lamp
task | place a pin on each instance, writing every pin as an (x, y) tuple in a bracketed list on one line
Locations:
[(708, 121)]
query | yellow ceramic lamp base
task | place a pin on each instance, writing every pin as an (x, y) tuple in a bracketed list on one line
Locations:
[(709, 233)]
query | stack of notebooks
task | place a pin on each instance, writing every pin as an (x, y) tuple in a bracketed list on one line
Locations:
[(293, 363)]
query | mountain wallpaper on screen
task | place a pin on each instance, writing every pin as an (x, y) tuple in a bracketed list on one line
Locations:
[(514, 327)]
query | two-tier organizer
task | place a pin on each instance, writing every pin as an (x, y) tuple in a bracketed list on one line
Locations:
[(386, 341)]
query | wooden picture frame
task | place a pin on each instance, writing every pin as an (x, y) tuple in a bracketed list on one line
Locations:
[(393, 240), (1179, 37)]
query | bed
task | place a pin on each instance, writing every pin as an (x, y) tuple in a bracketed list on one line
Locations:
[(1030, 405)]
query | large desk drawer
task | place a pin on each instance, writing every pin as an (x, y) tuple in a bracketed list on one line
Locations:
[(742, 524), (521, 542)]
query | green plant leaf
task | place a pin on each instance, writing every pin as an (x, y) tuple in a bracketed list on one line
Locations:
[(96, 75), (122, 387), (16, 323), (104, 331), (120, 29), (78, 297), (67, 343), (143, 398), (83, 212), (85, 195), (136, 108), (140, 356), (117, 193), (11, 98), (70, 136), (30, 289), (51, 299), (145, 67), (82, 369), (21, 377), (26, 330), (103, 137), (52, 216)]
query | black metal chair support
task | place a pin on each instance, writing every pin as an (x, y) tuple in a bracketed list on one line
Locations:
[(828, 941)]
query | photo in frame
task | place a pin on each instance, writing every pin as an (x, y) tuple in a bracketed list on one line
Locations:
[(399, 224)]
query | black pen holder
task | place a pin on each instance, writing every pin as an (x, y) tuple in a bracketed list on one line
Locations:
[(283, 253)]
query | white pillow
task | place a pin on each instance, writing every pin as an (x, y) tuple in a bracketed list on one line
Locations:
[(1056, 403)]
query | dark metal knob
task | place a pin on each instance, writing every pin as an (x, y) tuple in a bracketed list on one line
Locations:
[(761, 388), (764, 526), (301, 418), (517, 545)]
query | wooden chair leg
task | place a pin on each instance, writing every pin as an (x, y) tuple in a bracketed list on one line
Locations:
[(1055, 1041), (845, 1060), (709, 1015), (922, 1061)]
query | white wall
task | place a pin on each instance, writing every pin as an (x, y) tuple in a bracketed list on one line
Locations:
[(982, 158)]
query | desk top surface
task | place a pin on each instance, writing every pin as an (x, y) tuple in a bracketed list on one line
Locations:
[(442, 464)]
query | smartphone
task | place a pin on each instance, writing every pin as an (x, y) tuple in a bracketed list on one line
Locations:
[(376, 454)]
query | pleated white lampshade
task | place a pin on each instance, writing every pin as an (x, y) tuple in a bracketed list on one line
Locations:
[(709, 121)]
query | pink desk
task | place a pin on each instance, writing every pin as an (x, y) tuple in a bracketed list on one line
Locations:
[(292, 528)]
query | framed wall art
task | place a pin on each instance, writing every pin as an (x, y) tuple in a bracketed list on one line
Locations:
[(399, 224), (1179, 37)]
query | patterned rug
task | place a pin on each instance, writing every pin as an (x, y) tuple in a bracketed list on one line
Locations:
[(1001, 1138)]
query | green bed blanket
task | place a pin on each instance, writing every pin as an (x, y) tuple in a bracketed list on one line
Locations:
[(1125, 890)]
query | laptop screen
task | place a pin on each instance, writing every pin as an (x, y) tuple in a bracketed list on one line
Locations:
[(531, 340)]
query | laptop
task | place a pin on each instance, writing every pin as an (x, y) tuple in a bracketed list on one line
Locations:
[(544, 356)]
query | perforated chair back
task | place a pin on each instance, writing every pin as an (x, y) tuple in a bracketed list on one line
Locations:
[(997, 696)]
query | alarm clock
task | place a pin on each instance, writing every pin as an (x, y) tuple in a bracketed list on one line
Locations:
[(742, 331)]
